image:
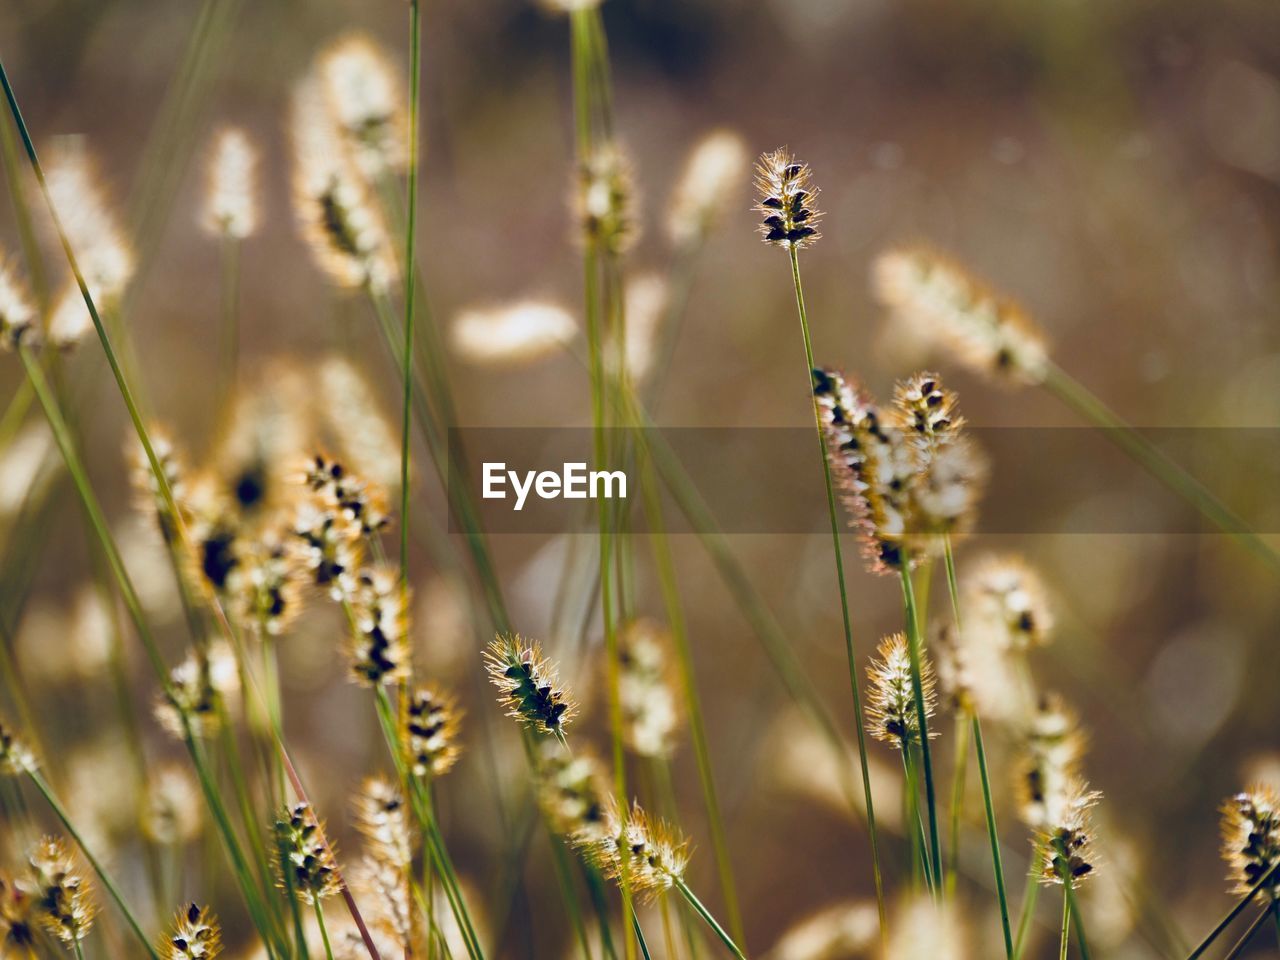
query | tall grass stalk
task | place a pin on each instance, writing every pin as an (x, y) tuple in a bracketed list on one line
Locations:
[(993, 835), (665, 564), (707, 918), (1092, 408), (1234, 912), (850, 655), (229, 252), (914, 644), (410, 276), (1243, 942)]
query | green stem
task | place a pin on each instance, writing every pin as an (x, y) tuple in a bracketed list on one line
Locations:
[(644, 947), (1077, 920), (850, 655), (1029, 898), (959, 780), (105, 877), (1247, 936), (1235, 911), (410, 237), (992, 835), (230, 353), (324, 932), (711, 921), (1066, 924), (914, 643), (1156, 462), (920, 864)]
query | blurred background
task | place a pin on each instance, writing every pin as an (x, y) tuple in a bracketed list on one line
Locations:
[(1114, 166)]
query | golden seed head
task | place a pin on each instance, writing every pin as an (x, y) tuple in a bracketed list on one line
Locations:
[(1049, 764), (18, 919), (1006, 603), (365, 100), (195, 935), (786, 200), (384, 890), (431, 722), (266, 585), (573, 793), (714, 172), (17, 315), (340, 220), (927, 409), (891, 705), (955, 675), (605, 200), (847, 929), (528, 685), (352, 497), (172, 805), (329, 547), (650, 854), (201, 689), (1067, 842), (16, 757), (382, 817), (646, 689), (307, 868), (645, 303), (230, 205), (64, 898), (353, 414), (924, 929), (378, 648), (987, 332), (511, 334), (1251, 838)]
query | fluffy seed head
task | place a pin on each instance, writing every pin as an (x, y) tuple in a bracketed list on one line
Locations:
[(378, 646), (511, 334), (650, 709), (104, 255), (384, 888), (195, 935), (1006, 603), (230, 205), (329, 547), (64, 898), (605, 200), (528, 685), (17, 315), (356, 500), (650, 854), (987, 332), (926, 930), (382, 817), (266, 585), (891, 705), (201, 689), (339, 220), (366, 102), (1049, 765), (573, 793), (1067, 843), (353, 414), (431, 725), (171, 805), (786, 200), (955, 677), (1251, 838), (307, 868), (18, 919), (16, 757), (645, 304), (712, 174)]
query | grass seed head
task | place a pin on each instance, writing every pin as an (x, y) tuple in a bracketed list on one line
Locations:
[(1068, 842), (431, 724), (378, 648), (230, 205), (987, 332), (307, 867), (266, 585), (528, 684), (201, 689), (353, 414), (64, 898), (18, 919), (891, 705), (649, 854), (382, 817), (1049, 766), (714, 172), (786, 200), (605, 200), (1005, 603), (16, 758), (511, 334), (1251, 838), (195, 935), (171, 805), (17, 315), (924, 929), (646, 689), (365, 100), (573, 793)]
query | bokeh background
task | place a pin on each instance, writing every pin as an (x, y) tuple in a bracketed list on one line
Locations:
[(1115, 166)]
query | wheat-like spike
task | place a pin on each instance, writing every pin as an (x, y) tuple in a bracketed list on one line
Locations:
[(649, 854), (201, 688), (231, 206), (1251, 838), (1067, 842), (364, 98), (431, 726), (528, 683), (891, 708), (511, 334), (786, 197), (714, 171), (195, 935), (305, 862), (64, 898), (378, 650), (16, 758), (382, 817)]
